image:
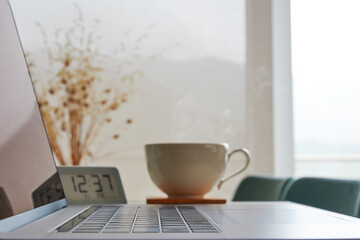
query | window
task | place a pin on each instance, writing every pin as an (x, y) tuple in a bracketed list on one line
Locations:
[(325, 51)]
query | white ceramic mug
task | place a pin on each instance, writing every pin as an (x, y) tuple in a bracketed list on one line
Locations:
[(190, 169)]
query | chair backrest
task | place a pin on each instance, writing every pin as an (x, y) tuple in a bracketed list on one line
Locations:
[(335, 195), (260, 188)]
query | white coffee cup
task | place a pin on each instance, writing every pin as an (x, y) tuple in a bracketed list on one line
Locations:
[(190, 169)]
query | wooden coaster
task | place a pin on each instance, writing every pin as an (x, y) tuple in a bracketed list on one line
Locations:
[(185, 200)]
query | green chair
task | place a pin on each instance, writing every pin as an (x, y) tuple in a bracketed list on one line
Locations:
[(335, 195), (259, 188)]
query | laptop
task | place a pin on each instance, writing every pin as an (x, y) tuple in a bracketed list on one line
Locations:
[(33, 205)]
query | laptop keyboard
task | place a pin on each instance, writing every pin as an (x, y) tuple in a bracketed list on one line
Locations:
[(145, 219)]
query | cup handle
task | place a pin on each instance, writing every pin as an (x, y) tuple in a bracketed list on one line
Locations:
[(248, 159)]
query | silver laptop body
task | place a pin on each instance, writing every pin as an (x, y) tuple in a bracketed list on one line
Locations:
[(33, 206)]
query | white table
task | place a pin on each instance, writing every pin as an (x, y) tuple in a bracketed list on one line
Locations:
[(281, 220), (241, 220)]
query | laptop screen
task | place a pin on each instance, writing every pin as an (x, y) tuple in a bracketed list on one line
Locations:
[(28, 176)]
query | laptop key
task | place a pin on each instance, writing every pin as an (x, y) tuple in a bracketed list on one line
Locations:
[(146, 230), (196, 221), (87, 231), (116, 231), (182, 230)]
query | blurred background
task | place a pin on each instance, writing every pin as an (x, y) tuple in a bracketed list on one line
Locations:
[(277, 78), (177, 67)]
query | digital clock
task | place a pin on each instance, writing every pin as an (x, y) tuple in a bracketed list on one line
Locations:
[(92, 185), (49, 191)]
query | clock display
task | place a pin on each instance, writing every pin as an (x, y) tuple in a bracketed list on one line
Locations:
[(92, 185), (49, 191)]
